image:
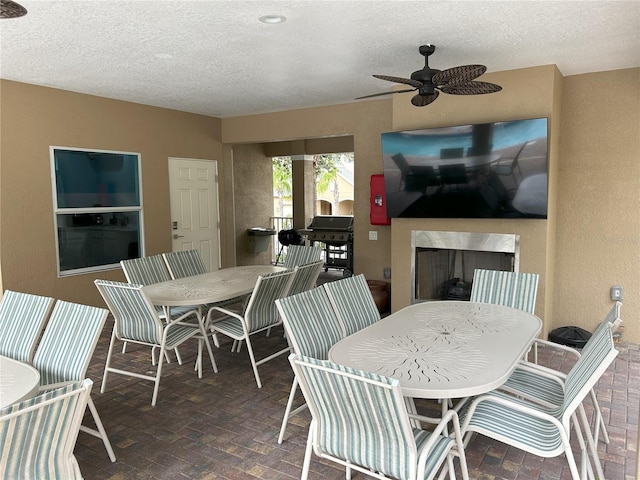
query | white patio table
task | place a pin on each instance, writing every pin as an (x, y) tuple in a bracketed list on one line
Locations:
[(442, 350), (18, 381), (212, 287)]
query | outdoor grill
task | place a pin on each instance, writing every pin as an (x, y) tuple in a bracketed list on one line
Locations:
[(336, 233)]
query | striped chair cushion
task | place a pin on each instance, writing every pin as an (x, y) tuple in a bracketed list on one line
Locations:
[(185, 263), (135, 319), (352, 300), (301, 254), (38, 443), (68, 342), (145, 270), (22, 318), (305, 277), (311, 324), (366, 422), (511, 289), (261, 309)]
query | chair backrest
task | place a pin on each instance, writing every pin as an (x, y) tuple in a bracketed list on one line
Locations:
[(310, 322), (22, 318), (352, 300), (357, 416), (511, 289), (300, 255), (184, 263), (305, 277), (261, 308), (145, 270), (135, 318), (594, 360), (39, 434), (68, 342)]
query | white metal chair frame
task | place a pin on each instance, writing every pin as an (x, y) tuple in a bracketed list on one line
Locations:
[(545, 386), (259, 315), (546, 431), (44, 433), (359, 420), (64, 352), (154, 333), (312, 328)]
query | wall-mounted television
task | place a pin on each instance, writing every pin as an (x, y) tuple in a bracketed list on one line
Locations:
[(488, 170)]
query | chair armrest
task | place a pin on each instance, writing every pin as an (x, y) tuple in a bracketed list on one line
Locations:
[(542, 371), (514, 405), (557, 346)]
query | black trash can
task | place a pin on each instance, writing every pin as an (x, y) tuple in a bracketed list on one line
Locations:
[(570, 336)]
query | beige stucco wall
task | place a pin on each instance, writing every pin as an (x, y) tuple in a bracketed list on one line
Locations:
[(34, 118), (598, 205), (252, 183)]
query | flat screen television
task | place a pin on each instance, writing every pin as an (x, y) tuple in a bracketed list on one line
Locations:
[(488, 170)]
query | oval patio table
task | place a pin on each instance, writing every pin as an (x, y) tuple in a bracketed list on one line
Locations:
[(18, 381), (444, 349)]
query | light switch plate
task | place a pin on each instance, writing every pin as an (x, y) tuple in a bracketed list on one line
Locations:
[(373, 235)]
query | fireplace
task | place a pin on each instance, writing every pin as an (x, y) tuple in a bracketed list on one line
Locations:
[(442, 263)]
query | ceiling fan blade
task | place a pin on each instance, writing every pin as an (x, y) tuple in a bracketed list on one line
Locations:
[(457, 75), (387, 93), (406, 81), (471, 88), (422, 100)]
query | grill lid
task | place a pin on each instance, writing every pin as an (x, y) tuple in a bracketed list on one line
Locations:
[(333, 223)]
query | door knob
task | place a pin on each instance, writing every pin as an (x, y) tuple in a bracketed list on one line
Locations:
[(176, 236)]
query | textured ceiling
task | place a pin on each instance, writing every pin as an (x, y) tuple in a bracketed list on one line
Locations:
[(215, 58)]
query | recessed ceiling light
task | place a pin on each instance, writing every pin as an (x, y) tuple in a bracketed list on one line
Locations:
[(272, 19)]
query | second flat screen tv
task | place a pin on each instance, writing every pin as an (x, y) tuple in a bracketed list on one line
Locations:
[(489, 170)]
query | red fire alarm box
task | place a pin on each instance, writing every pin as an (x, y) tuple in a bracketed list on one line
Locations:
[(378, 203)]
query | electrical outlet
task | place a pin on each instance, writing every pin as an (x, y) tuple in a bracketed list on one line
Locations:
[(373, 235), (386, 272), (616, 293)]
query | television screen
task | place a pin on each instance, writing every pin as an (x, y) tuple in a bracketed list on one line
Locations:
[(489, 170)]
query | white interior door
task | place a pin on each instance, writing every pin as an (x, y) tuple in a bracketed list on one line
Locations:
[(193, 186)]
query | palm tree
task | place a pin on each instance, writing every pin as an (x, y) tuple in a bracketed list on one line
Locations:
[(282, 180)]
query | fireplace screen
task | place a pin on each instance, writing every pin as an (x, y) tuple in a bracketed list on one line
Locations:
[(447, 274), (443, 262)]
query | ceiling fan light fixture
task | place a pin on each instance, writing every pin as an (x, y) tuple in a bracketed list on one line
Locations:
[(272, 19)]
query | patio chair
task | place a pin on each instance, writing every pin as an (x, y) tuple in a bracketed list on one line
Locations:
[(22, 318), (540, 384), (300, 255), (312, 328), (136, 321), (511, 289), (546, 431), (64, 352), (359, 420), (146, 271), (260, 314), (39, 434), (305, 277), (352, 301), (184, 263)]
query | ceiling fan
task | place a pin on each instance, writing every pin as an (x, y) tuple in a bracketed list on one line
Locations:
[(10, 9), (430, 81)]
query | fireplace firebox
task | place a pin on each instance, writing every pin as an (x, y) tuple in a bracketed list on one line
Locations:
[(443, 262)]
